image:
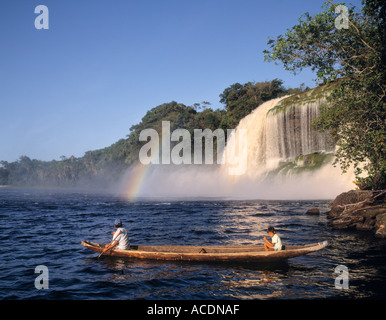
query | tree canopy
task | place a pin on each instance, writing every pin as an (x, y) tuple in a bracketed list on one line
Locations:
[(242, 99), (347, 45), (107, 165)]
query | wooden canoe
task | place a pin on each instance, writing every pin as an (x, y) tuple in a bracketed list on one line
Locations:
[(226, 253)]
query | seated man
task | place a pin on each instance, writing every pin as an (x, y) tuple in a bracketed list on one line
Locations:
[(276, 241), (120, 238)]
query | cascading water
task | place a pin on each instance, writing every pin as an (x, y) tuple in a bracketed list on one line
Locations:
[(286, 156), (277, 154), (290, 133), (277, 137)]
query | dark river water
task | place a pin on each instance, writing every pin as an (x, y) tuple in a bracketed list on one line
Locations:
[(45, 228)]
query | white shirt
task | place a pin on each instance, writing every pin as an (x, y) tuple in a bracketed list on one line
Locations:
[(277, 242), (123, 239)]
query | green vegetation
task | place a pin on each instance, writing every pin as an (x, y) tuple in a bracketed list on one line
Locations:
[(179, 115), (302, 163), (305, 97), (240, 100), (355, 111), (349, 61), (100, 167)]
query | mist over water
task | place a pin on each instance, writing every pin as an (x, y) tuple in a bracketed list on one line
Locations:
[(195, 181), (41, 227), (272, 155)]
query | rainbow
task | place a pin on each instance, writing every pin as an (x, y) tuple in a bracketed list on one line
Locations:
[(136, 178)]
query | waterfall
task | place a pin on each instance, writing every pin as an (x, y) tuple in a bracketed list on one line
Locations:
[(284, 157), (277, 137), (285, 153)]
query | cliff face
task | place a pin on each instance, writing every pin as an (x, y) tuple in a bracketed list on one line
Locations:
[(280, 136), (360, 210)]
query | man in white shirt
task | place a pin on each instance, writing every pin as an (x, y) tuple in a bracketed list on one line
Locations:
[(120, 238), (276, 244)]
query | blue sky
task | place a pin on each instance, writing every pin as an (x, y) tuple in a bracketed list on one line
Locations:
[(81, 84)]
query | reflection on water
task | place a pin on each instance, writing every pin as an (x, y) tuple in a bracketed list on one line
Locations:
[(53, 225)]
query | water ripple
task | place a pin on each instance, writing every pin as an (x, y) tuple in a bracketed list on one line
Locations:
[(46, 227)]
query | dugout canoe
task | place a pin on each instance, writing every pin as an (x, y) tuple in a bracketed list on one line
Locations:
[(211, 253)]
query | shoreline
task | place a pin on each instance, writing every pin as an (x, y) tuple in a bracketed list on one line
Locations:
[(361, 210)]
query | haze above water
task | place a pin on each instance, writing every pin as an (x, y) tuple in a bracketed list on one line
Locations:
[(271, 140)]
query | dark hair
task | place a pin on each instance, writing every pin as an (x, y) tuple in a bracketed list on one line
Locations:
[(119, 225), (271, 229)]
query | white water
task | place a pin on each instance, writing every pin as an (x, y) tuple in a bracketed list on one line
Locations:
[(272, 139)]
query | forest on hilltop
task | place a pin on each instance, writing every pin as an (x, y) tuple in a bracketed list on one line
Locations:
[(105, 166), (342, 46)]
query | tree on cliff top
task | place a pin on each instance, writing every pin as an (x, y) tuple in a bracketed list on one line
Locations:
[(349, 45), (241, 99)]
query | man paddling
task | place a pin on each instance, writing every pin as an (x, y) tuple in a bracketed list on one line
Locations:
[(120, 238)]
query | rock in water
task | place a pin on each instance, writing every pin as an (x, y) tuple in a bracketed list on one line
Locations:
[(313, 212), (360, 210)]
